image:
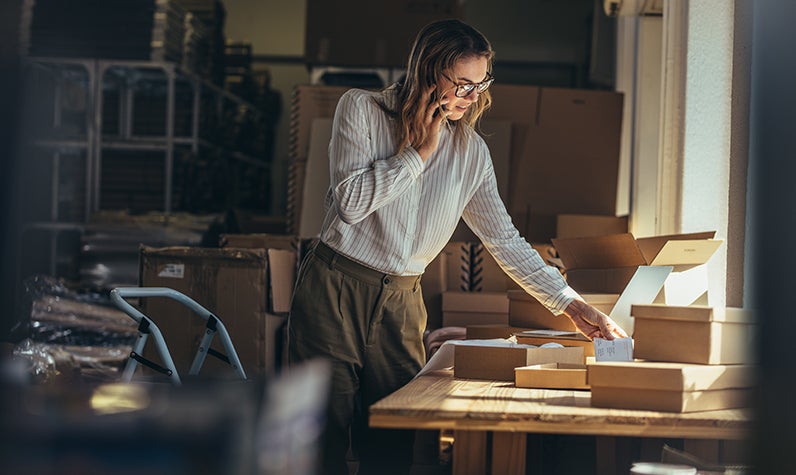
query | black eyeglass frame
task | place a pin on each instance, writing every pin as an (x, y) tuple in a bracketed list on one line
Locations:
[(469, 87)]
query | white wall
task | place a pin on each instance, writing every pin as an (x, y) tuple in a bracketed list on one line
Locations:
[(690, 172), (707, 141)]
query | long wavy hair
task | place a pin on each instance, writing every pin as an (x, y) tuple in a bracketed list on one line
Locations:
[(437, 48)]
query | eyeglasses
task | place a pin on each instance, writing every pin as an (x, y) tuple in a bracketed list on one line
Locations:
[(464, 90)]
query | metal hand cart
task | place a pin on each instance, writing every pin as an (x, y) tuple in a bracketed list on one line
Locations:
[(146, 327)]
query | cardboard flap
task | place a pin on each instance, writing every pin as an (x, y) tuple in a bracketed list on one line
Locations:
[(651, 246), (686, 254), (282, 275), (599, 252)]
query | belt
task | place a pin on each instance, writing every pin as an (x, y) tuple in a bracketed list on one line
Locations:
[(342, 263)]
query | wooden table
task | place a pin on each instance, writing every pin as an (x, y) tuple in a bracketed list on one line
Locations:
[(472, 408)]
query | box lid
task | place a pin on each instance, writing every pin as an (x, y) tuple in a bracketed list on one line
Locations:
[(476, 302), (693, 313), (599, 252), (623, 250), (652, 246), (670, 376), (681, 253)]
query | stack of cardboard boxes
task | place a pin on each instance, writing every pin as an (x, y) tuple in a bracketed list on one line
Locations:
[(690, 358), (247, 284)]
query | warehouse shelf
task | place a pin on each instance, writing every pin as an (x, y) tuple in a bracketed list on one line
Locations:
[(101, 80), (142, 136)]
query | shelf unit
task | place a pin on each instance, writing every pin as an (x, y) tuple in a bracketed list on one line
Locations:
[(124, 78), (88, 114)]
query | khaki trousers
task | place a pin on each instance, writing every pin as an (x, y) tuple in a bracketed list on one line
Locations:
[(370, 326)]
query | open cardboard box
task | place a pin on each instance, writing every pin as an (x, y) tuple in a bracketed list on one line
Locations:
[(241, 286), (492, 331), (552, 376), (693, 334), (460, 309), (563, 337), (670, 387), (585, 225), (284, 255), (481, 361), (605, 264), (526, 311), (642, 288)]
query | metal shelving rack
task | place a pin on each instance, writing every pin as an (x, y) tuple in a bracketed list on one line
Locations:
[(87, 135), (128, 73)]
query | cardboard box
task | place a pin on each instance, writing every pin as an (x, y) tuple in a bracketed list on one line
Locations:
[(497, 135), (316, 179), (586, 225), (489, 332), (693, 334), (671, 387), (460, 309), (284, 256), (566, 338), (605, 264), (232, 283), (458, 262), (485, 273), (552, 376), (526, 311), (498, 362), (591, 162), (543, 122), (309, 102), (433, 284)]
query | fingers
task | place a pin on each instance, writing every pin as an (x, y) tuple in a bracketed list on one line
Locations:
[(610, 330), (615, 329), (440, 117)]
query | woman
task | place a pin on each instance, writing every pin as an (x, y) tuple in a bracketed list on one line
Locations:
[(405, 165)]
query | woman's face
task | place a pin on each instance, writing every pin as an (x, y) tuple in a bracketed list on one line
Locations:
[(471, 70)]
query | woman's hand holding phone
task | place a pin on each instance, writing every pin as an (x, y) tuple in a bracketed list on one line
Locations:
[(435, 116)]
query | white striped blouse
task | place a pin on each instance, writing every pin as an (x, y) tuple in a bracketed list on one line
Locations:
[(395, 213)]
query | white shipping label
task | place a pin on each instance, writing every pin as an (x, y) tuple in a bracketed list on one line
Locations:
[(173, 271), (619, 349)]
